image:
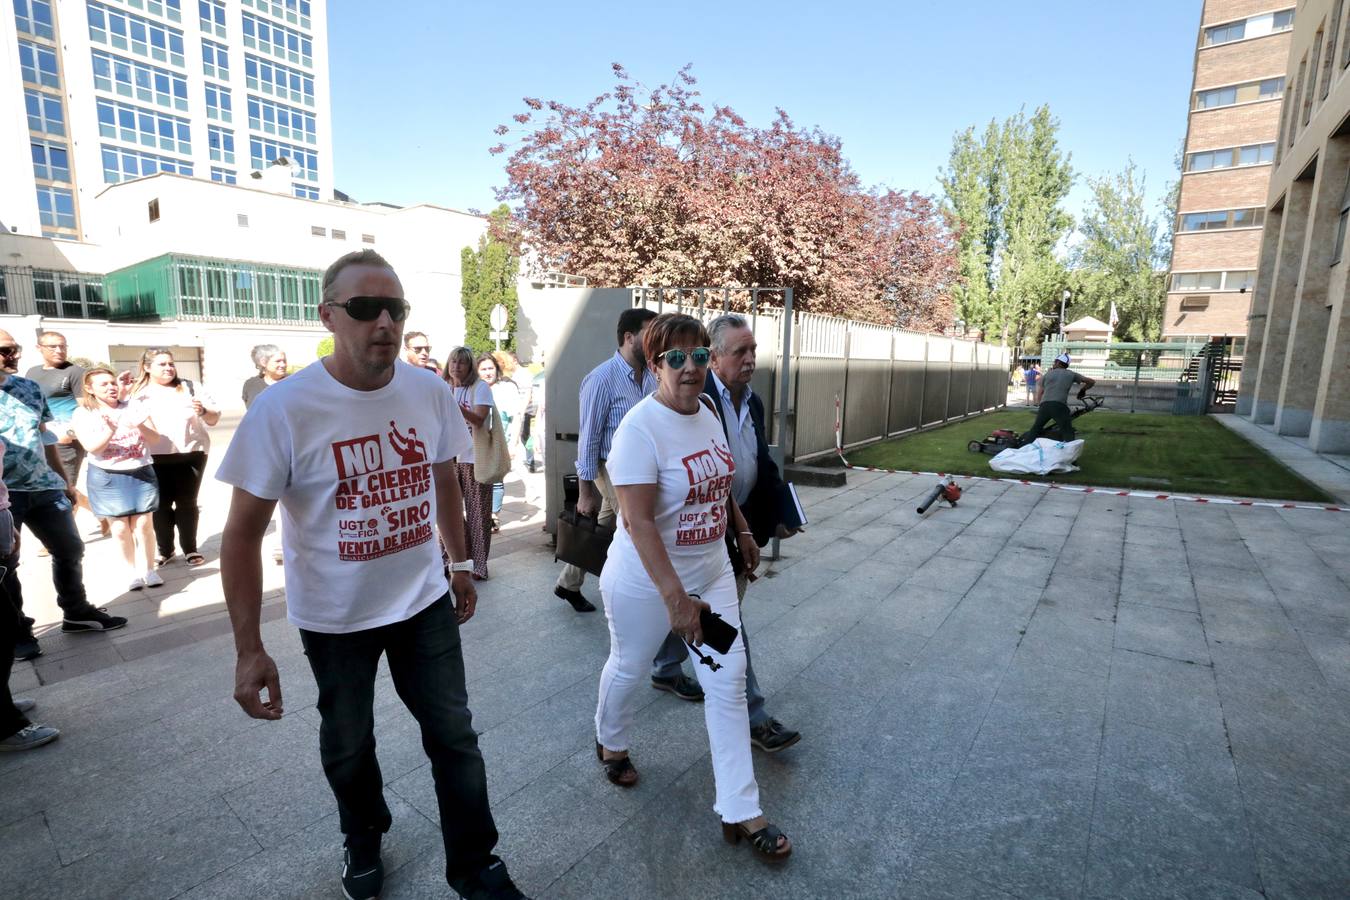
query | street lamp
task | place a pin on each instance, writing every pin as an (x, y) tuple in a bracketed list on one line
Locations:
[(1063, 301)]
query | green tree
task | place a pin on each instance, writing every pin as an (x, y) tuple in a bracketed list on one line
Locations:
[(1005, 190), (325, 347), (488, 277), (1122, 259)]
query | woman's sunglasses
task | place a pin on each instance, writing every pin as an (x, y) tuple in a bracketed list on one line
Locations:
[(675, 358), (368, 309)]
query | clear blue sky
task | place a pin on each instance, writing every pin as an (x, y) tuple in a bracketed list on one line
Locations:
[(418, 85)]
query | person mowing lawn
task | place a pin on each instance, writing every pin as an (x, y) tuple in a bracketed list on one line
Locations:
[(1052, 398)]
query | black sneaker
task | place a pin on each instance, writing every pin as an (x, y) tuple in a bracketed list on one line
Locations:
[(27, 648), (772, 736), (362, 869), (579, 603), (681, 686), (92, 619), (491, 883)]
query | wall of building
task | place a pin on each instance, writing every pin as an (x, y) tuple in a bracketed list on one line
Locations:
[(1297, 376), (1258, 56)]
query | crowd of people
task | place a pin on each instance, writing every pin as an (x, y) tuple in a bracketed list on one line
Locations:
[(386, 520), (141, 438)]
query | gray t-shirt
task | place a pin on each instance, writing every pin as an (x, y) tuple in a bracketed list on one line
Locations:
[(61, 387), (1057, 383)]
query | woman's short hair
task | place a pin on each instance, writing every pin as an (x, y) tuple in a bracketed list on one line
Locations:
[(662, 332), (466, 355), (263, 353)]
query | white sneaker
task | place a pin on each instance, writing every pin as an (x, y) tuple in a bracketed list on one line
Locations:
[(136, 584), (152, 579)]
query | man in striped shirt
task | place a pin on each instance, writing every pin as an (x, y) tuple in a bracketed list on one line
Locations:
[(608, 392)]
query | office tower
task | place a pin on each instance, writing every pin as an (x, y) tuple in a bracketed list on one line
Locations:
[(101, 91)]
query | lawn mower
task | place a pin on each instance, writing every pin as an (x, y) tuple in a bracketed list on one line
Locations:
[(1002, 438)]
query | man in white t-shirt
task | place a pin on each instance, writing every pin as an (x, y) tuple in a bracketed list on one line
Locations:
[(359, 448)]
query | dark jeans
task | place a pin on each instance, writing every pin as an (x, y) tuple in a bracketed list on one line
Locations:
[(428, 672), (48, 516), (11, 628), (1059, 412), (180, 480)]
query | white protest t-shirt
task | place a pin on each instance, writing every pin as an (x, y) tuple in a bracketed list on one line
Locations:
[(126, 450), (688, 458), (476, 394), (352, 470)]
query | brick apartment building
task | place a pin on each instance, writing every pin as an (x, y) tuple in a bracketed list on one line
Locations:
[(1296, 376), (1240, 61)]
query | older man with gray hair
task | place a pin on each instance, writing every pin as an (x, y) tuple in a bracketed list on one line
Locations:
[(754, 484)]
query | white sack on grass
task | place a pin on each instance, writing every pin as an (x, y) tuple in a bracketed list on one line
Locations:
[(1041, 457)]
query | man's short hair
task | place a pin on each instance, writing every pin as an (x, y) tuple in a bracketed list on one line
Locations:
[(409, 335), (719, 326), (50, 334), (632, 320), (366, 257), (262, 353), (662, 334)]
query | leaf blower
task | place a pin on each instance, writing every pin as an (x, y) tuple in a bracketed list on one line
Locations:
[(947, 489)]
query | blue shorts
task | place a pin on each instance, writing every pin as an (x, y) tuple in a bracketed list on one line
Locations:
[(114, 495)]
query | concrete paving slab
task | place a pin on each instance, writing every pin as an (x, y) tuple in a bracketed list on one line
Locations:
[(952, 687)]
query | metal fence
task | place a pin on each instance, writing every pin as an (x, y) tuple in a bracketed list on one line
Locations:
[(888, 381), (26, 291), (1141, 377)]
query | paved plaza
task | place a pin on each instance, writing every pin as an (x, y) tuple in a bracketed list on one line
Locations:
[(1036, 694)]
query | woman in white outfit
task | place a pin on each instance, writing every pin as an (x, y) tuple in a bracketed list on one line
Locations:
[(671, 468)]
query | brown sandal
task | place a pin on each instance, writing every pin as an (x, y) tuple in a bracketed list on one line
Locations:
[(618, 771), (764, 842)]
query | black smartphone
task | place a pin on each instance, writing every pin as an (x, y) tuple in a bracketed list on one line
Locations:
[(717, 632)]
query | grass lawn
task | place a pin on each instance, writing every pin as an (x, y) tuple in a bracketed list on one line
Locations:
[(1145, 451)]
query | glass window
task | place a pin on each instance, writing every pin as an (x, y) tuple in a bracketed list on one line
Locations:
[(1271, 88), (1283, 20), (1223, 34), (283, 121), (139, 80), (305, 161), (221, 144), (224, 176), (34, 17), (211, 15), (50, 161), (38, 64), (56, 206), (147, 127), (44, 112), (128, 31), (215, 60), (1248, 218), (305, 191), (1197, 281), (277, 40), (120, 164), (278, 80), (218, 104), (1239, 281)]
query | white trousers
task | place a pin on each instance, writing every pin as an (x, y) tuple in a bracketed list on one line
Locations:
[(638, 623)]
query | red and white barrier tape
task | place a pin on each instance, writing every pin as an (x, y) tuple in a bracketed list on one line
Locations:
[(1077, 489)]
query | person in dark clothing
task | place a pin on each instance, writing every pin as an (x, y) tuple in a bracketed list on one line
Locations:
[(754, 486), (1052, 396)]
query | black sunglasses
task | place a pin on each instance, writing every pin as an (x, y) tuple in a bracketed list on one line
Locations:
[(11, 350), (675, 358), (368, 309)]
